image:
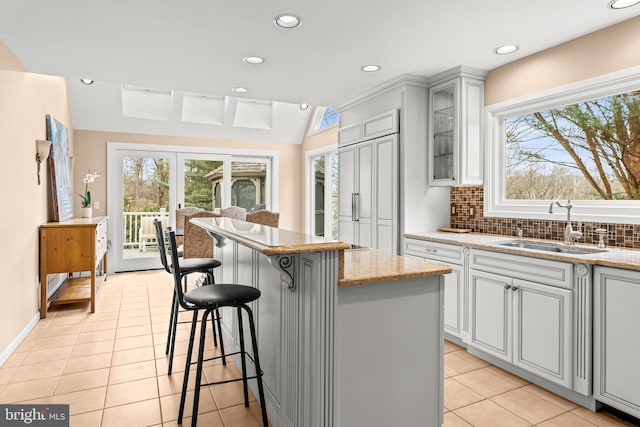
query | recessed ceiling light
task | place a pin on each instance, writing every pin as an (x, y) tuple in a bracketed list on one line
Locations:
[(371, 68), (87, 81), (621, 4), (506, 49), (240, 90), (287, 20), (255, 60), (304, 106)]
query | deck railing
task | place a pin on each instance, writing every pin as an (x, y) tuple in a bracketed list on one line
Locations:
[(133, 224)]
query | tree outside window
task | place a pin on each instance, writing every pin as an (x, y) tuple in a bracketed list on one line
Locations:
[(584, 151)]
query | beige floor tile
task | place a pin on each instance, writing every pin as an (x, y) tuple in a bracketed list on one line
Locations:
[(6, 374), (45, 370), (450, 347), (88, 419), (133, 342), (452, 420), (87, 363), (527, 405), (45, 356), (128, 314), (133, 331), (600, 419), (486, 382), (101, 325), (566, 420), (82, 381), (457, 395), (459, 362), (56, 331), (132, 372), (488, 414), (95, 336), (35, 344), (82, 401), (171, 404), (132, 356), (15, 359), (134, 321), (239, 416), (551, 397), (162, 364), (97, 347), (138, 414), (210, 419), (129, 392), (230, 394), (172, 384), (507, 376), (27, 390)]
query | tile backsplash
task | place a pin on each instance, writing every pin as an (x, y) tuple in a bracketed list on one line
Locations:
[(467, 211)]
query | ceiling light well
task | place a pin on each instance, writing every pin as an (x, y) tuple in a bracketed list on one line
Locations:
[(506, 49), (622, 4), (240, 89), (372, 68), (253, 60), (287, 20)]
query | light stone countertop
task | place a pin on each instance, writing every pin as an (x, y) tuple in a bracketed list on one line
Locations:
[(366, 266), (612, 257), (356, 267)]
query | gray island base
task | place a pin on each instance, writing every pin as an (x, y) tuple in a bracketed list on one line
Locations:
[(346, 338)]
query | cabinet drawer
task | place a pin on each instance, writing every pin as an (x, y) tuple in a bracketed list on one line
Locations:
[(434, 251), (538, 270), (384, 124), (349, 134)]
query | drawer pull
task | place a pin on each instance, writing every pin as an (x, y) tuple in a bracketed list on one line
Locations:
[(507, 287), (431, 251)]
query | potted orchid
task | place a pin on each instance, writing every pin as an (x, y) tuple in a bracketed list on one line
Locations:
[(86, 197)]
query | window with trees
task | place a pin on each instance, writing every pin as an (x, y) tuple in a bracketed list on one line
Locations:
[(582, 145)]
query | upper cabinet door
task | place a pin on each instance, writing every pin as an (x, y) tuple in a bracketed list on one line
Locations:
[(456, 131)]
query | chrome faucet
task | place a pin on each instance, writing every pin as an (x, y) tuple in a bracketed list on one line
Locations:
[(570, 235)]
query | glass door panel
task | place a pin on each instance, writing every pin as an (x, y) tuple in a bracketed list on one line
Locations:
[(250, 186), (142, 193), (202, 181), (443, 132)]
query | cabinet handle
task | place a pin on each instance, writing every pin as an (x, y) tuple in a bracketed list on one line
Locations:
[(431, 251), (353, 207), (514, 288), (507, 287), (357, 205)]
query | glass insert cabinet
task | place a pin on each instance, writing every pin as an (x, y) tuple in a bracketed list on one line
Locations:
[(456, 101), (444, 119)]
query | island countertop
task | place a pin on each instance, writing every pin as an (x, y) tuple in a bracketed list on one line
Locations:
[(267, 240), (356, 267), (365, 266)]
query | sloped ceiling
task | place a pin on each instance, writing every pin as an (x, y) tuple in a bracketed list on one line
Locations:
[(197, 47)]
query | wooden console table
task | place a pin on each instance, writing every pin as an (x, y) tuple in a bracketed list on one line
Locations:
[(71, 246)]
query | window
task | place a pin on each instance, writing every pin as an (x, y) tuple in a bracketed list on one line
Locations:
[(323, 118), (322, 192), (580, 143)]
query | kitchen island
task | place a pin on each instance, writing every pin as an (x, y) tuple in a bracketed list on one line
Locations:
[(346, 337)]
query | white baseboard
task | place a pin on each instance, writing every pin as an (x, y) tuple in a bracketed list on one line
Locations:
[(17, 340)]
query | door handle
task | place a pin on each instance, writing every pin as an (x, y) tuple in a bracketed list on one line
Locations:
[(353, 207), (357, 205)]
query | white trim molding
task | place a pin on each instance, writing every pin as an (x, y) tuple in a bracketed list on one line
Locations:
[(495, 204)]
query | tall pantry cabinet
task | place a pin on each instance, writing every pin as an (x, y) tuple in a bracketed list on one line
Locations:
[(368, 186)]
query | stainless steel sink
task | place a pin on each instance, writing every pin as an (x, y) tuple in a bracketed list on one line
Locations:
[(548, 247)]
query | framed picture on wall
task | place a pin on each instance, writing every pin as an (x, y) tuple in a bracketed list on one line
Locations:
[(60, 167)]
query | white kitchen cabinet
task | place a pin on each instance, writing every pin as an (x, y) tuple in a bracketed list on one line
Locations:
[(455, 288), (368, 193), (616, 338), (455, 127), (521, 322)]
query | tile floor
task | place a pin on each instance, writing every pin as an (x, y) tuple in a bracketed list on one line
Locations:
[(110, 367)]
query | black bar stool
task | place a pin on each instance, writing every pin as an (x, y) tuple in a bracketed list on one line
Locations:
[(210, 299), (188, 266)]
